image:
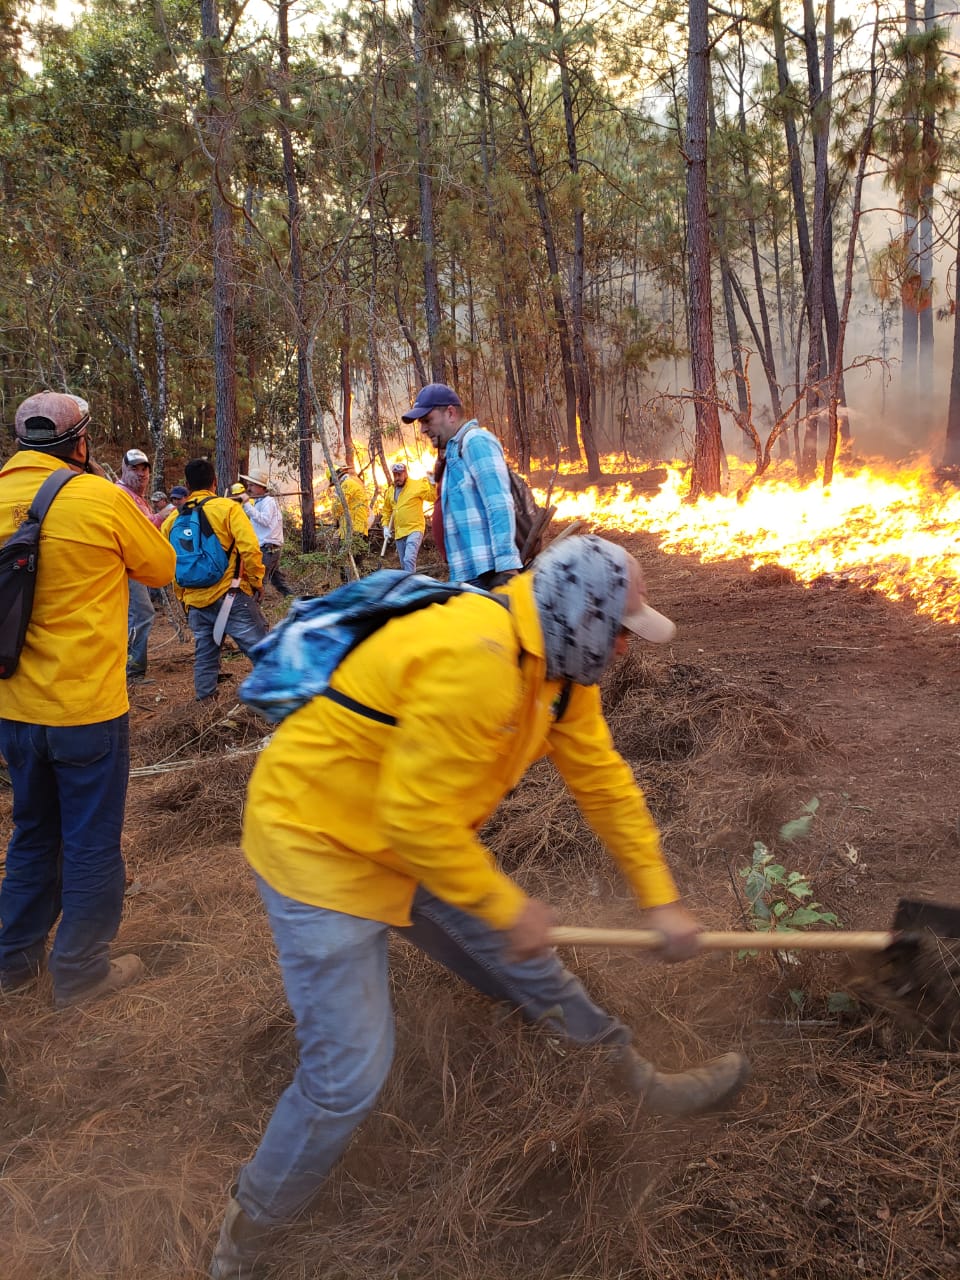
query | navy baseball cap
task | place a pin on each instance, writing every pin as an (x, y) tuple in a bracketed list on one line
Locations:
[(179, 491), (435, 395)]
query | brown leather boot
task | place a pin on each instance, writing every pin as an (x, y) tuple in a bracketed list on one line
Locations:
[(711, 1086), (123, 971), (244, 1247)]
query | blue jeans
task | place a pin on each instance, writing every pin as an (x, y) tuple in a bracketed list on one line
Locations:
[(64, 859), (140, 617), (246, 625), (408, 548), (335, 973)]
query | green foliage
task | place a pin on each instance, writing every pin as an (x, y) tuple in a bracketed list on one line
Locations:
[(778, 898)]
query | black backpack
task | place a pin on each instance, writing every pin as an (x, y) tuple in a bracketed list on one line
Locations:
[(19, 562)]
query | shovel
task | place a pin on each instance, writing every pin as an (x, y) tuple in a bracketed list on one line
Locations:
[(917, 967), (911, 920)]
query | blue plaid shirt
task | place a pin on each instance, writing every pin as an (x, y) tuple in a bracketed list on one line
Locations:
[(479, 522)]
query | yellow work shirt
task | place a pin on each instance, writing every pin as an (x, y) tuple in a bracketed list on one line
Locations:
[(407, 509), (349, 814), (233, 529), (72, 669), (358, 504)]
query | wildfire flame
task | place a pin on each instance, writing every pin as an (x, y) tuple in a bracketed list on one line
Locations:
[(893, 531)]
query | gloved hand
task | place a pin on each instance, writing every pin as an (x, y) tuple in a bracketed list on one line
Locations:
[(257, 594)]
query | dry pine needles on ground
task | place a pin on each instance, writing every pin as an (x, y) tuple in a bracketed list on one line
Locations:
[(495, 1150)]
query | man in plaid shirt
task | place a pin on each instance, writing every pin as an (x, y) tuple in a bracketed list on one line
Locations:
[(479, 522)]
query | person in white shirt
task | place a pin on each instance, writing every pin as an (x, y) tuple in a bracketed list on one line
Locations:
[(264, 512)]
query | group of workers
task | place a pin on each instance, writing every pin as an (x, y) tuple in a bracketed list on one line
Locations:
[(438, 715)]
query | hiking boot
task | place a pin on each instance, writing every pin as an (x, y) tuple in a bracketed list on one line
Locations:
[(140, 679), (123, 972), (243, 1248), (713, 1085)]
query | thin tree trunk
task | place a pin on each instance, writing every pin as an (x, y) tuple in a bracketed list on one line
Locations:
[(866, 150), (308, 518), (495, 234), (346, 378), (705, 476), (925, 236), (821, 140), (227, 460), (951, 452), (553, 265), (911, 289), (424, 114), (579, 350)]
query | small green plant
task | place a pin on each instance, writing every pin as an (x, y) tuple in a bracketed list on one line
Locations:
[(778, 898)]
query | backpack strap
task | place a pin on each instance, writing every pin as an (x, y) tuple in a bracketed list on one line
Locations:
[(359, 708), (206, 530), (48, 491), (562, 701), (384, 717)]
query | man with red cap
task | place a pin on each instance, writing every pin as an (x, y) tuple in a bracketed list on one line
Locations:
[(63, 713)]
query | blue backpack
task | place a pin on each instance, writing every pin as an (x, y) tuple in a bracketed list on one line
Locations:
[(202, 559), (296, 661)]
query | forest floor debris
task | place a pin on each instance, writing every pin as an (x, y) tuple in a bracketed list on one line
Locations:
[(495, 1152)]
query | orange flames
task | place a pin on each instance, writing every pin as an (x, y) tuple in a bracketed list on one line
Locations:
[(892, 530)]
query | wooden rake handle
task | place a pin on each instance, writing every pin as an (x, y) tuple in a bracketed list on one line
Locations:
[(780, 940)]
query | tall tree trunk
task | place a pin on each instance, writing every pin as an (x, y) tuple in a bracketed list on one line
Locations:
[(925, 230), (580, 363), (951, 452), (346, 378), (795, 163), (218, 131), (424, 114), (495, 233), (520, 93), (705, 476), (911, 289), (821, 141), (308, 518)]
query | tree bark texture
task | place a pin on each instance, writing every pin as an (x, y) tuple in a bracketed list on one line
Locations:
[(308, 517), (705, 477), (227, 459), (424, 107)]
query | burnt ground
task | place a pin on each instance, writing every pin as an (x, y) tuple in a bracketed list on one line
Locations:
[(495, 1152)]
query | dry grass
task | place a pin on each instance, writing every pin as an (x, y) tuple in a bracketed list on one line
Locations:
[(496, 1152)]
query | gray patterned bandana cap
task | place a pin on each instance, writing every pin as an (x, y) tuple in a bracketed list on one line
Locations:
[(580, 587)]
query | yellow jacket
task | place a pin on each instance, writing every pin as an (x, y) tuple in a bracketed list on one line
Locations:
[(407, 511), (349, 814), (232, 526), (358, 504), (73, 667)]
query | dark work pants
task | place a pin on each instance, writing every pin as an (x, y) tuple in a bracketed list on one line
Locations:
[(64, 859)]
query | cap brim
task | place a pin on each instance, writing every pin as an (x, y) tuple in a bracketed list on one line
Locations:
[(413, 415), (650, 625)]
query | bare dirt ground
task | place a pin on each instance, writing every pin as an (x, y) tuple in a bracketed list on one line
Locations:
[(495, 1152)]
